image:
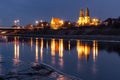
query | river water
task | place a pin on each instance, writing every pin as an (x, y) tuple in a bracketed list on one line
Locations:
[(85, 59)]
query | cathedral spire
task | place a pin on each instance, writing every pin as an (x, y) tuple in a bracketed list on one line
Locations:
[(87, 12), (81, 13)]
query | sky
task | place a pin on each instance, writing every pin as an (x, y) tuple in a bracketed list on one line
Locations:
[(27, 11)]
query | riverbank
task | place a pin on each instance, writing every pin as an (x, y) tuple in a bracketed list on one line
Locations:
[(93, 33), (82, 37)]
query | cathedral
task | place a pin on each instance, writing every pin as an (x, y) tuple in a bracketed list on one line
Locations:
[(85, 20)]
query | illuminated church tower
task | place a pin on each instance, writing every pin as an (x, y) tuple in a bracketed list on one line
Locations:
[(87, 17), (81, 18)]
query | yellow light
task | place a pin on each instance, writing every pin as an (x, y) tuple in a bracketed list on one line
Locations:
[(56, 23), (95, 21), (80, 50), (53, 47), (95, 50), (61, 22), (83, 50), (36, 56), (61, 52), (61, 48)]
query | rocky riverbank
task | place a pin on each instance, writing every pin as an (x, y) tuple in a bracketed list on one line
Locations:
[(37, 71)]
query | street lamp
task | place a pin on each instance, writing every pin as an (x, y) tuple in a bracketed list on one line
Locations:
[(17, 22), (36, 22)]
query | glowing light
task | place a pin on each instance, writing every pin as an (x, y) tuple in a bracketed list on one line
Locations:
[(53, 51), (69, 23), (41, 49), (95, 50), (17, 22), (36, 56), (61, 52), (36, 22), (68, 45), (16, 50), (95, 21), (56, 23), (61, 22), (61, 48), (41, 20), (42, 25), (83, 50), (3, 32), (31, 42), (53, 47), (80, 50)]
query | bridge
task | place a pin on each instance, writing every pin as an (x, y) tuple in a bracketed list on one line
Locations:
[(11, 28), (6, 30)]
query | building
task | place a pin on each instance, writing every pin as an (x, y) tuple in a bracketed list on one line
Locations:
[(85, 20), (56, 23)]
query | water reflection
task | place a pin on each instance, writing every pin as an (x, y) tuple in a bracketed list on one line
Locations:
[(83, 55), (31, 42), (1, 69), (57, 47), (41, 49), (69, 45), (95, 50), (36, 55), (83, 50), (53, 51), (53, 47), (61, 48), (16, 50)]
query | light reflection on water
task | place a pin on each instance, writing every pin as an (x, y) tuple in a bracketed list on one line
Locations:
[(75, 57), (16, 51), (36, 50), (95, 50)]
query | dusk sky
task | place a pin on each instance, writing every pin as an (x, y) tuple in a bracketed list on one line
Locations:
[(30, 10)]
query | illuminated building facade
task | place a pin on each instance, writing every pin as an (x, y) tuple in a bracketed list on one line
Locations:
[(85, 20), (56, 23)]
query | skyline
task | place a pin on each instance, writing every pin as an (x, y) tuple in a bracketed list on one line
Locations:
[(28, 11)]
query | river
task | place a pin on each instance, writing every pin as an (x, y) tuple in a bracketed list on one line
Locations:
[(85, 59)]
